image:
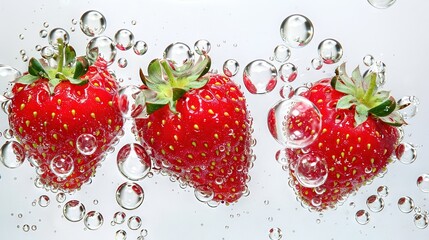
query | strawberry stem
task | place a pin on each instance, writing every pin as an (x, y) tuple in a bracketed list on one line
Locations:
[(371, 89), (167, 70), (60, 55)]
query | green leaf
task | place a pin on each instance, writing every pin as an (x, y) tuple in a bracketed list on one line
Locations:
[(36, 69), (178, 93), (361, 114), (53, 83), (341, 87), (82, 65), (77, 81), (155, 74), (394, 119), (70, 55), (384, 109), (143, 77), (346, 102), (152, 107), (198, 84), (368, 80), (27, 79)]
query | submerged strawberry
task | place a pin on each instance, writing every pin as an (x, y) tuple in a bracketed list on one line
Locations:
[(198, 129), (65, 117), (358, 136)]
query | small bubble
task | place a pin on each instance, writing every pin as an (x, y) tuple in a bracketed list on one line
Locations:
[(281, 157), (275, 233), (143, 232), (131, 102), (21, 36), (43, 33), (311, 171), (133, 22), (362, 217), (74, 21), (86, 144), (74, 211), (19, 215), (179, 55), (330, 50), (101, 47), (408, 106), (288, 72), (297, 31), (34, 227), (92, 23), (44, 201), (382, 191), (406, 153), (95, 202), (120, 235), (12, 154), (26, 228), (133, 162), (260, 77), (204, 193), (47, 52), (375, 203), (61, 197), (124, 39), (134, 222), (8, 74), (316, 63), (281, 53), (93, 220), (406, 204), (38, 48), (230, 67), (122, 62), (368, 60), (62, 166), (58, 33), (119, 217), (129, 195), (423, 183), (381, 4), (140, 48), (202, 47), (24, 58), (286, 91), (421, 220)]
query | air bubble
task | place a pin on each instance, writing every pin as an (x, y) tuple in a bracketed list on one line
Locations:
[(281, 53), (134, 222), (86, 144), (316, 63), (204, 193), (43, 33), (8, 73), (47, 52), (26, 227), (101, 47), (275, 234), (375, 203), (330, 50), (421, 220), (288, 72), (281, 157), (362, 217), (408, 106), (119, 217), (140, 48), (423, 183), (44, 201), (62, 166), (311, 170), (230, 67), (93, 220), (129, 195), (381, 4), (133, 162), (406, 153), (131, 102), (260, 77), (74, 211), (297, 31), (122, 62), (12, 154), (368, 60), (124, 39), (382, 191), (58, 33), (61, 197), (92, 23), (406, 204), (179, 55), (287, 91), (120, 235), (202, 47)]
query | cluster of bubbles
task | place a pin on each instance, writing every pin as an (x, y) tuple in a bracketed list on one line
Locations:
[(421, 218), (375, 204)]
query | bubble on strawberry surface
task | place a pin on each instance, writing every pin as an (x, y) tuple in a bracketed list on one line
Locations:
[(122, 62), (86, 144), (202, 47), (93, 220), (140, 48), (423, 183), (281, 157), (282, 119), (120, 235), (408, 106), (204, 193), (62, 166), (406, 204), (382, 191), (297, 30), (119, 217), (12, 154), (316, 63), (375, 203), (330, 51), (179, 55), (311, 170), (362, 217), (44, 201), (124, 39), (101, 47), (281, 53), (129, 195), (260, 77), (381, 4), (406, 153), (131, 102), (134, 222), (288, 72), (60, 197), (8, 74), (275, 233), (92, 23), (74, 211), (133, 162), (231, 67), (56, 34)]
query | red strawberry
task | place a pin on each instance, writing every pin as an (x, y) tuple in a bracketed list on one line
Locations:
[(52, 108), (357, 138), (198, 129)]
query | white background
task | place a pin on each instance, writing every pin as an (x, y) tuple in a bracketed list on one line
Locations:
[(244, 30)]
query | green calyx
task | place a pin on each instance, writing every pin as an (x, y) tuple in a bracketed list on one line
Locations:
[(70, 68), (165, 84), (362, 92)]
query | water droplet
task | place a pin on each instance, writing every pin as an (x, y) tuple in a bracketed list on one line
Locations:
[(375, 203), (406, 204), (92, 23), (12, 154), (124, 39), (204, 193), (131, 102), (93, 220), (101, 47), (379, 68), (260, 77), (382, 191), (423, 183), (421, 220), (281, 157), (44, 201), (119, 217), (316, 63), (43, 33), (120, 235), (134, 222), (47, 52), (287, 91), (74, 211), (24, 58), (408, 106), (202, 47), (22, 52), (275, 233), (406, 153), (8, 73), (74, 21), (46, 24), (330, 50), (381, 4), (311, 170), (95, 202), (58, 33), (281, 53), (143, 232), (86, 144), (34, 227), (296, 30), (288, 72), (129, 195), (368, 60), (122, 62), (21, 36), (230, 67), (62, 166), (26, 228), (38, 48), (179, 55), (140, 48), (133, 22), (134, 162), (282, 116), (362, 217), (61, 197)]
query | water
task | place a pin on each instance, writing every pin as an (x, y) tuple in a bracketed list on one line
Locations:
[(202, 47), (297, 31), (131, 102), (60, 197), (133, 162), (362, 217), (44, 201), (101, 47), (8, 73), (381, 4), (281, 157), (86, 144), (93, 220), (119, 217), (231, 67), (134, 222), (58, 33), (260, 77), (330, 51), (311, 170), (382, 191), (288, 72), (204, 193), (281, 53), (62, 166), (179, 55), (122, 62), (286, 91), (406, 153), (92, 23), (124, 39), (12, 154), (421, 220), (408, 106), (375, 203), (140, 48), (129, 195), (316, 63), (47, 52), (74, 211), (368, 60), (423, 183), (120, 235), (275, 233), (406, 204)]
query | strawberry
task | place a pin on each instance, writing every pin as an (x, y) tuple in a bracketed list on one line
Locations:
[(198, 129), (55, 111), (359, 133)]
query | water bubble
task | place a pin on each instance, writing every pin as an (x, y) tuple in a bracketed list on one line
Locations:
[(47, 52), (316, 63), (119, 217), (86, 144), (33, 227), (406, 153), (44, 201), (296, 30), (230, 67), (281, 53), (74, 211), (62, 166), (133, 22), (379, 68), (43, 33), (21, 36), (92, 23), (375, 203), (58, 33), (129, 195), (134, 222), (122, 62), (423, 183), (368, 60), (382, 191), (133, 161), (140, 48), (406, 204), (179, 55), (311, 170), (143, 233), (287, 91), (282, 119), (131, 102), (124, 39), (93, 220), (204, 193), (120, 235), (408, 106), (288, 72), (330, 50), (101, 47), (46, 24), (421, 220), (281, 157), (8, 73), (61, 197), (381, 4), (260, 77), (12, 154), (202, 47), (26, 228), (362, 217), (275, 233), (24, 58), (38, 48), (22, 52)]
